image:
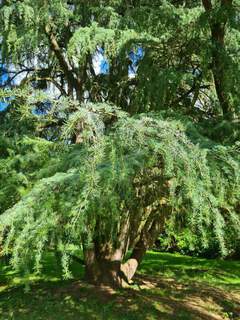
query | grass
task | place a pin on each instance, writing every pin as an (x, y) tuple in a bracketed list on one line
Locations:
[(185, 268), (168, 286)]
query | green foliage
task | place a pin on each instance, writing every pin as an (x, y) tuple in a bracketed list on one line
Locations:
[(19, 167), (175, 36), (85, 191), (140, 149)]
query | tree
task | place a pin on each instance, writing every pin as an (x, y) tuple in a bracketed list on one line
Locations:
[(105, 175), (53, 43), (218, 18)]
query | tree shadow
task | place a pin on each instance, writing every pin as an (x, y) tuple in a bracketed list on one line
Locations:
[(154, 295), (149, 298)]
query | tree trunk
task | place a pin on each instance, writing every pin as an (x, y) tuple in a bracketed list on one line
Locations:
[(113, 273), (147, 238), (129, 268), (218, 48), (104, 271), (73, 82), (109, 270), (104, 262), (106, 268)]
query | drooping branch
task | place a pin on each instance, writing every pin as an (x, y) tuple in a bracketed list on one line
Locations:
[(32, 74), (33, 77)]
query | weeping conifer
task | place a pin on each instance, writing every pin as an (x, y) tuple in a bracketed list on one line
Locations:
[(108, 175)]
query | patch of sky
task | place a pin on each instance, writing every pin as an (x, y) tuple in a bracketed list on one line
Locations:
[(135, 56), (42, 108), (4, 77), (100, 62)]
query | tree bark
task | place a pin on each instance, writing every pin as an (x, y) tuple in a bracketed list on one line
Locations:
[(130, 267), (146, 240), (104, 264), (104, 260), (74, 83), (102, 270)]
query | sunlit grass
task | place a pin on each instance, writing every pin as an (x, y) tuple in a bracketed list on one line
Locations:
[(186, 268)]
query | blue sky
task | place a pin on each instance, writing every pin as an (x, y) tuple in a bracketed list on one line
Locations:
[(3, 79), (100, 64)]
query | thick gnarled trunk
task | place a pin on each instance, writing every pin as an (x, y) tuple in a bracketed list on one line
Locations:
[(105, 266), (102, 270), (112, 273)]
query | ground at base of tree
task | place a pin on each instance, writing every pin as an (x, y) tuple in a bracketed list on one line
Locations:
[(167, 287)]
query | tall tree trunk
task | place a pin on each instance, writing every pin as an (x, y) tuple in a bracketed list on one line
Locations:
[(218, 48), (73, 82)]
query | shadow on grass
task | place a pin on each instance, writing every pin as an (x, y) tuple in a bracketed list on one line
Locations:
[(151, 297)]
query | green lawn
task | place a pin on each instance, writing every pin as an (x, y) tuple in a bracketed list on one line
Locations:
[(167, 287)]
